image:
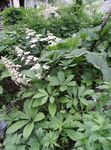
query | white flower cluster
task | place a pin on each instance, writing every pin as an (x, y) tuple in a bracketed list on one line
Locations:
[(13, 69), (53, 40), (31, 60), (32, 37), (26, 56), (50, 10)]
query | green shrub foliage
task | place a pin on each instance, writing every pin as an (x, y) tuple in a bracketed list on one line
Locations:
[(55, 81)]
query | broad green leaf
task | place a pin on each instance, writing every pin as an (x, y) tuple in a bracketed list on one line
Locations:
[(81, 90), (27, 107), (64, 100), (87, 92), (16, 126), (73, 135), (63, 88), (52, 109), (99, 61), (61, 76), (84, 101), (40, 116), (22, 115), (4, 74), (34, 144), (28, 129), (70, 77), (72, 83), (27, 94), (52, 99), (42, 91), (36, 103), (49, 89), (1, 90), (29, 73), (76, 53), (54, 81), (39, 95), (44, 100)]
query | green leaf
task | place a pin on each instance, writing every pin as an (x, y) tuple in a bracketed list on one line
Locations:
[(1, 90), (34, 144), (29, 73), (16, 126), (37, 103), (44, 100), (52, 99), (61, 76), (71, 134), (84, 101), (43, 91), (28, 107), (52, 109), (70, 77), (99, 61), (77, 53), (4, 74), (39, 95), (40, 116), (64, 100), (28, 130), (27, 94), (75, 136), (54, 81), (87, 92), (63, 88), (72, 83), (81, 90)]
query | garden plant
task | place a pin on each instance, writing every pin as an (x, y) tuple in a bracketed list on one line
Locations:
[(55, 78)]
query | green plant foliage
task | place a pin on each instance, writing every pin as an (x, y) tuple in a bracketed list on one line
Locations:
[(55, 79), (12, 16), (27, 119)]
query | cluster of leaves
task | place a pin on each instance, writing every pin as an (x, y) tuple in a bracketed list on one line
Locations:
[(70, 19), (69, 107)]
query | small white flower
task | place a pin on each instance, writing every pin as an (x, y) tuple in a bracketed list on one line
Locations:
[(51, 37), (31, 33), (38, 75), (46, 67), (38, 35), (35, 59), (27, 37), (22, 58), (43, 39), (26, 53), (36, 67), (27, 61), (30, 57), (33, 45), (34, 40)]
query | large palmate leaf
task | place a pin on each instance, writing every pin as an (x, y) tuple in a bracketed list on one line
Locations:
[(99, 61)]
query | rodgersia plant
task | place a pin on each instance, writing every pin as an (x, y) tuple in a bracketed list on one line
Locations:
[(66, 105)]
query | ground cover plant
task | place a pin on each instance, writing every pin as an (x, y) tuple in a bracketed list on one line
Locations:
[(55, 86)]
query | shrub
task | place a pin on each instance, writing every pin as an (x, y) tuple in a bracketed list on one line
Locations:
[(12, 16)]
